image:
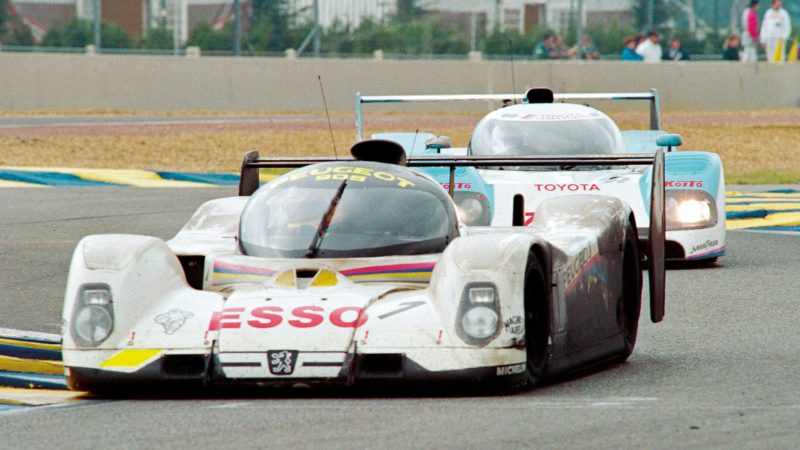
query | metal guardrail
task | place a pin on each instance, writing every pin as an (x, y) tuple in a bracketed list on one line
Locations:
[(327, 55)]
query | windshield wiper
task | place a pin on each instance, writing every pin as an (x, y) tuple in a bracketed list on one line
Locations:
[(313, 249)]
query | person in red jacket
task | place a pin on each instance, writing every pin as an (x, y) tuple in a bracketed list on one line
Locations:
[(750, 32)]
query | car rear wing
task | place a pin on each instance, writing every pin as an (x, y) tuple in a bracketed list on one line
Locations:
[(361, 100), (252, 163)]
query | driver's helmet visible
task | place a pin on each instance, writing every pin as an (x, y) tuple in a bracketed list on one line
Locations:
[(348, 209), (546, 129)]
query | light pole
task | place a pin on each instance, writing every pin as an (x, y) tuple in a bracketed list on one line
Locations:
[(237, 28), (650, 8), (97, 18), (316, 29), (579, 27)]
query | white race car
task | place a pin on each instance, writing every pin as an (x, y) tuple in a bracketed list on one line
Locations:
[(537, 126), (357, 271)]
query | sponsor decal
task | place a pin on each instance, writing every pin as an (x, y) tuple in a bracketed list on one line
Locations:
[(394, 272), (683, 184), (553, 116), (514, 325), (458, 185), (576, 266), (265, 317), (227, 273), (705, 245), (529, 218), (350, 173), (566, 187), (282, 362), (173, 320), (405, 306), (513, 369)]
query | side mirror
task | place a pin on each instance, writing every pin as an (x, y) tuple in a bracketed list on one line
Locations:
[(438, 143), (669, 141)]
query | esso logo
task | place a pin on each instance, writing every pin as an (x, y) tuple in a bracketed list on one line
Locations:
[(265, 317)]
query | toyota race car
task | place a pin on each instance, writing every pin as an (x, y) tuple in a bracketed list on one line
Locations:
[(536, 125), (358, 271)]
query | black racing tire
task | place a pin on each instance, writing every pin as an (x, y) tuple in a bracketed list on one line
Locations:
[(629, 305), (537, 329)]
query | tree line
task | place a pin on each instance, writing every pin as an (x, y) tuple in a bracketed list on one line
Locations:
[(272, 28)]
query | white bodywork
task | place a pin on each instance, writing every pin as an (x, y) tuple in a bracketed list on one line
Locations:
[(622, 183), (569, 129), (316, 314)]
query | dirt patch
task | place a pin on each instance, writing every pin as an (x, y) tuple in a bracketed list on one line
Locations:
[(753, 145)]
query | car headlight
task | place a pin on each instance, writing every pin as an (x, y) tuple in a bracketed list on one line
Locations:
[(689, 209), (472, 208), (478, 314), (93, 317), (479, 322)]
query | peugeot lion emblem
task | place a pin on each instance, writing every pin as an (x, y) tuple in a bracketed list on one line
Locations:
[(281, 362)]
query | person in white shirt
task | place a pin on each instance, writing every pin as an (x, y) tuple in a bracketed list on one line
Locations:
[(649, 49), (775, 30)]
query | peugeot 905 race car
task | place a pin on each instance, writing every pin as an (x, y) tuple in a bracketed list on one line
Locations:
[(356, 271), (536, 125)]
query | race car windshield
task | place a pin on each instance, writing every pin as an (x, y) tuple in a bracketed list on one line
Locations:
[(331, 219), (497, 136)]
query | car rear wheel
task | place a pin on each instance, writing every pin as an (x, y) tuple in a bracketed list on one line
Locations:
[(630, 302), (536, 322)]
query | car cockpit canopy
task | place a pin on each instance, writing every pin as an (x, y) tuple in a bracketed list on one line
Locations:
[(551, 129), (348, 209)]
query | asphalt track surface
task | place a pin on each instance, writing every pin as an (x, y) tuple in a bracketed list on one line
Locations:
[(720, 372)]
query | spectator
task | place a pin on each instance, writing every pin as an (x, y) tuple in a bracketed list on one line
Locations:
[(561, 52), (675, 52), (544, 49), (629, 51), (750, 33), (649, 49), (775, 30), (730, 49), (585, 49)]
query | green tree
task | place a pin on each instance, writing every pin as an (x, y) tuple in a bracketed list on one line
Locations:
[(338, 38), (407, 10), (609, 38), (112, 36), (276, 15), (207, 38), (158, 38), (499, 42), (370, 36), (20, 35), (4, 17), (12, 30), (80, 33), (259, 35), (53, 38), (75, 33)]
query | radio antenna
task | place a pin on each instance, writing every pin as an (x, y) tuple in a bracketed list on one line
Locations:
[(513, 80), (328, 116), (413, 142)]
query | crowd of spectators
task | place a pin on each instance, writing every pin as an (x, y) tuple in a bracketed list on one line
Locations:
[(773, 36), (552, 47)]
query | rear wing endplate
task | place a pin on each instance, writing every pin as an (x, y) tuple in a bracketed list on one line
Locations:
[(651, 96)]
